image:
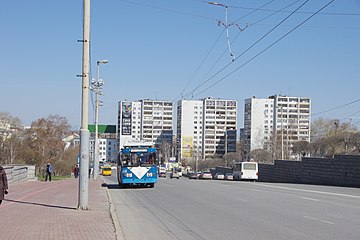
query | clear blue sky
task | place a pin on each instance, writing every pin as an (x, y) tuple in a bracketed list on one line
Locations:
[(158, 48)]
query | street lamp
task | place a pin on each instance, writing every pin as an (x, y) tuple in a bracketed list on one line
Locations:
[(96, 86)]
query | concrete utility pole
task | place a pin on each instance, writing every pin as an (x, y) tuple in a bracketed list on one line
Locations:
[(96, 87), (84, 131), (282, 135)]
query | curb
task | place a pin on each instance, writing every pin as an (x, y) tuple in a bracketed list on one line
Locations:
[(118, 229)]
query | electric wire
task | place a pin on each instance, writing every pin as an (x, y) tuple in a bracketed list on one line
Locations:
[(167, 9), (202, 62), (335, 108), (254, 10), (266, 34), (216, 62), (351, 115), (268, 47), (223, 52), (301, 12)]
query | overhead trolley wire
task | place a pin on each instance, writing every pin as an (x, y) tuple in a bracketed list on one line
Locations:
[(167, 9), (182, 93), (338, 107), (266, 34), (202, 62), (300, 12), (268, 47)]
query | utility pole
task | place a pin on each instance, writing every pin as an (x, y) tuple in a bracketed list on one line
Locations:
[(84, 131), (197, 160), (282, 135)]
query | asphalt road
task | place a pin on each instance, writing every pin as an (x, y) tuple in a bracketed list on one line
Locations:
[(213, 209)]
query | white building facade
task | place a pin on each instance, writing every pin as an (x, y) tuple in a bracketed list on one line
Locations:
[(276, 122), (206, 127), (189, 128), (258, 123), (145, 120)]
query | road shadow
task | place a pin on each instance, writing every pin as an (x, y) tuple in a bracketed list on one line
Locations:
[(111, 185), (40, 204), (116, 186)]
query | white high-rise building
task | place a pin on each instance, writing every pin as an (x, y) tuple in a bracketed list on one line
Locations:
[(276, 122), (189, 128), (206, 127), (145, 120), (258, 123), (129, 122)]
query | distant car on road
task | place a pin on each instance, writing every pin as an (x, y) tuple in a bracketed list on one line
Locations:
[(162, 172), (174, 175), (106, 170), (219, 176), (205, 175)]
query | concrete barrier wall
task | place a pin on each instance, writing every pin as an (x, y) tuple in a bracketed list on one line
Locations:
[(342, 170), (17, 173), (281, 171)]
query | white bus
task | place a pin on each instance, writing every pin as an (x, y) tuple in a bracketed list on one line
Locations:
[(246, 171)]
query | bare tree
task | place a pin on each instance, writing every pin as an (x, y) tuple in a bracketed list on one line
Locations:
[(261, 156), (301, 148), (45, 138)]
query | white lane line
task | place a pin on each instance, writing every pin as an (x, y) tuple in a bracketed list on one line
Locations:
[(328, 222), (240, 199), (315, 219), (311, 199), (255, 190), (319, 220), (310, 191)]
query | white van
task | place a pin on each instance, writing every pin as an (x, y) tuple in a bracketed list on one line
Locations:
[(246, 171)]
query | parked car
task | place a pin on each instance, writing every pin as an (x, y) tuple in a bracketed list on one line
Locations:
[(205, 175), (193, 175), (174, 175), (219, 176), (229, 176)]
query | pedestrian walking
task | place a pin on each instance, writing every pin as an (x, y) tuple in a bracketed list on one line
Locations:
[(76, 171), (48, 172), (3, 184)]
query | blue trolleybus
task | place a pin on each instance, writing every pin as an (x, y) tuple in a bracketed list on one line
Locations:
[(137, 164)]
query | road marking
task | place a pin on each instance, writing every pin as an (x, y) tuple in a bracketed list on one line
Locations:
[(310, 191), (315, 219), (255, 190), (240, 199), (328, 222), (319, 220), (310, 199)]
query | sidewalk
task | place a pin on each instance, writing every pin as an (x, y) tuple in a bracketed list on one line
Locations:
[(47, 210)]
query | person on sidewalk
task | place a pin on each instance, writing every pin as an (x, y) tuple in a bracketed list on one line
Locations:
[(76, 171), (3, 184), (48, 172)]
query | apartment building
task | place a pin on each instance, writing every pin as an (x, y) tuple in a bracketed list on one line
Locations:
[(189, 128), (146, 120), (258, 124), (108, 144), (206, 127), (275, 123)]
